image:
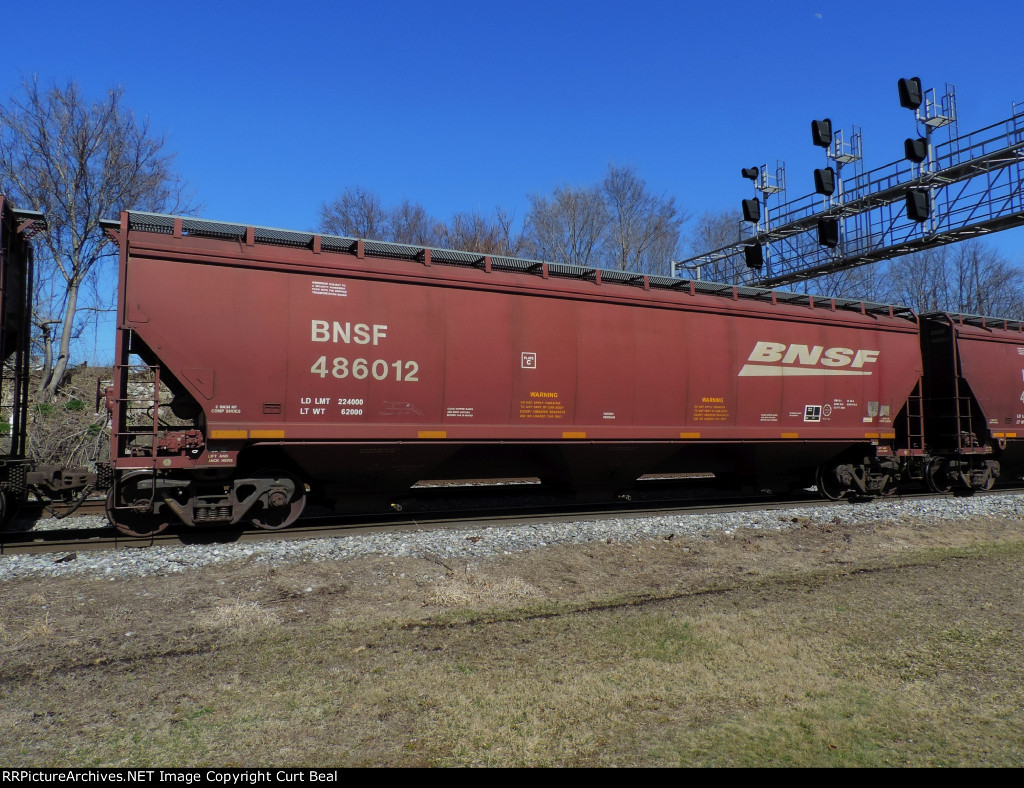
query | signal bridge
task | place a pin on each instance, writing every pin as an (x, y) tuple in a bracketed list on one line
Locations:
[(969, 186)]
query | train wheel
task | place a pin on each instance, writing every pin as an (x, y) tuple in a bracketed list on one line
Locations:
[(10, 504), (936, 476), (131, 516), (281, 512), (828, 484)]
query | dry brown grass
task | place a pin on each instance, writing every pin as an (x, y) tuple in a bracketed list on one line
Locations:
[(469, 589), (237, 618), (825, 645)]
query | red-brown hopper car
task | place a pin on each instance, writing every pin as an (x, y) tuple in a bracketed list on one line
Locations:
[(302, 364)]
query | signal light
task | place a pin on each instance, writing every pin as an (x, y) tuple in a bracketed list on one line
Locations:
[(752, 210), (825, 181), (916, 150), (754, 255), (919, 205), (910, 92), (750, 173), (821, 132), (828, 233)]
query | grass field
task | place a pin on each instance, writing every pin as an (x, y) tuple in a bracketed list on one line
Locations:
[(840, 645)]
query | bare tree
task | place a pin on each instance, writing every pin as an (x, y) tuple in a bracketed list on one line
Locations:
[(475, 232), (863, 283), (357, 213), (919, 280), (360, 213), (966, 277), (570, 227), (617, 223), (78, 162), (643, 228), (987, 284), (516, 243), (714, 231), (409, 223)]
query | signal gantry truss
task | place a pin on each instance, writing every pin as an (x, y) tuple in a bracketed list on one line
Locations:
[(969, 186)]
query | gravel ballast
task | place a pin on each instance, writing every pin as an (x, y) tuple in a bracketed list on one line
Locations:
[(473, 544)]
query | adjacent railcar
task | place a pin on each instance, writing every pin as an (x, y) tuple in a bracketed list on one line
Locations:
[(257, 367), (16, 227), (973, 400)]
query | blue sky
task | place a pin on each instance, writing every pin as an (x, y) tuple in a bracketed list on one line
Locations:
[(274, 108)]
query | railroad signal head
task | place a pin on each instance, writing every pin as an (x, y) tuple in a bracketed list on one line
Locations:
[(825, 181), (828, 233), (753, 255), (752, 210), (821, 132), (750, 173), (916, 149), (919, 205), (910, 92)]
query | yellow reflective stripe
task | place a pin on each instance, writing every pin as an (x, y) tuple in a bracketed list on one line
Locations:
[(432, 434), (574, 434), (226, 434), (266, 434), (689, 434), (790, 435)]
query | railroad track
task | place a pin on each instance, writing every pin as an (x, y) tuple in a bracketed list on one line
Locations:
[(73, 540), (37, 509)]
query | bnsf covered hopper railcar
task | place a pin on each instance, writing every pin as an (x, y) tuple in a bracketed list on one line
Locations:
[(256, 367)]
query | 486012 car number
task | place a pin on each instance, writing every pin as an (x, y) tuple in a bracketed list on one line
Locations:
[(361, 369)]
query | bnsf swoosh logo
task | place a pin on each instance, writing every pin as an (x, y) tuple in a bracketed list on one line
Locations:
[(774, 360)]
